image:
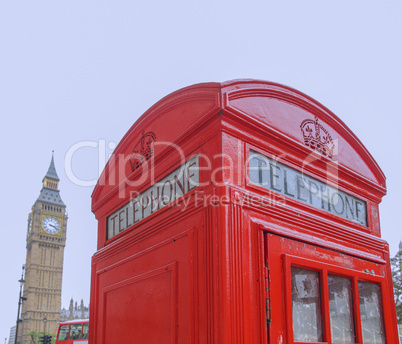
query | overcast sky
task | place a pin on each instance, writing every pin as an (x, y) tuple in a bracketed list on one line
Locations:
[(81, 72)]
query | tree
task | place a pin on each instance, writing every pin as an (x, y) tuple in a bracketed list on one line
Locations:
[(34, 336), (396, 268)]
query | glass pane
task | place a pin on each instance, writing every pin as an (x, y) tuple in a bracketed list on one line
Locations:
[(63, 332), (341, 309), (306, 306), (75, 331), (85, 331), (258, 168), (371, 313)]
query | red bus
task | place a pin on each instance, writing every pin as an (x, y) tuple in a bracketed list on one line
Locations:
[(73, 331)]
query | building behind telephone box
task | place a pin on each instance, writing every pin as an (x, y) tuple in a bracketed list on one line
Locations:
[(240, 212)]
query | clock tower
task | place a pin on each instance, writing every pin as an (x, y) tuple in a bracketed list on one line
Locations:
[(46, 239)]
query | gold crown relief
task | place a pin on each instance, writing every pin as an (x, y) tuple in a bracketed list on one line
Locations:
[(143, 150), (317, 137)]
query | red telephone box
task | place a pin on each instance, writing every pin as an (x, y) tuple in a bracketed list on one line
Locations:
[(240, 212)]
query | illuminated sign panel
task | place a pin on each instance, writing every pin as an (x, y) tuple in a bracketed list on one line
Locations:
[(289, 182), (156, 197)]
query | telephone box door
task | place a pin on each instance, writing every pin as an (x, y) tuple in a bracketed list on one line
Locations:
[(320, 295)]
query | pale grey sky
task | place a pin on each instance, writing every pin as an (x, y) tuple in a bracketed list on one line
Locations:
[(85, 70)]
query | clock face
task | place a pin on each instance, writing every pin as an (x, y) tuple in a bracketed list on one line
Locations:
[(51, 225)]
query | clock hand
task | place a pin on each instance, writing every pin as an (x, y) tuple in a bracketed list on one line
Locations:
[(52, 225)]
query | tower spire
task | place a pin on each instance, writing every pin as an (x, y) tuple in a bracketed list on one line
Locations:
[(50, 190), (51, 172)]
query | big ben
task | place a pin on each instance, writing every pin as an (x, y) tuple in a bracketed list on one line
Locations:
[(45, 242)]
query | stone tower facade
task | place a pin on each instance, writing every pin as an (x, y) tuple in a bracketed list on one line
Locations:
[(46, 239)]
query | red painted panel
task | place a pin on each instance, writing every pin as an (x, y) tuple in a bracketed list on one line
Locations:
[(203, 269), (142, 309), (168, 120), (287, 118)]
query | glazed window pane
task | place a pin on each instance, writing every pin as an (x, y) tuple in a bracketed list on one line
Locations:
[(63, 333), (75, 331), (85, 330), (371, 314), (258, 168), (341, 309), (306, 306)]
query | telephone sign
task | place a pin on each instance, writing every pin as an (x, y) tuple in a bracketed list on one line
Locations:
[(292, 183)]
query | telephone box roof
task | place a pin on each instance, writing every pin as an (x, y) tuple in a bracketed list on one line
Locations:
[(279, 110)]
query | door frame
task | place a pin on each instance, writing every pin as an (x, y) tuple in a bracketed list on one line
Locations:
[(277, 300)]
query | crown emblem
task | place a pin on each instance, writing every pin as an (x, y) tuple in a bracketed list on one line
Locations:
[(143, 150), (317, 137)]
